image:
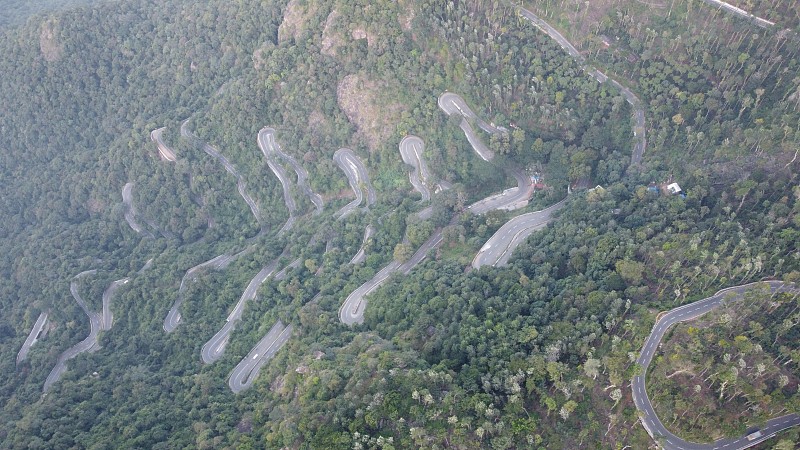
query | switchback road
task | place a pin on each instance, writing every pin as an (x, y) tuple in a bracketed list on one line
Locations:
[(361, 255), (357, 177), (498, 249), (266, 142), (647, 415), (453, 104), (130, 210), (246, 371), (302, 177), (510, 199), (411, 148), (763, 23), (281, 275), (165, 152), (108, 316), (32, 337), (217, 263), (214, 153), (215, 347), (352, 310), (639, 129), (88, 344)]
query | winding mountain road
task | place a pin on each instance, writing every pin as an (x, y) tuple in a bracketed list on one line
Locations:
[(173, 318), (453, 104), (281, 275), (130, 210), (508, 200), (215, 347), (498, 249), (352, 310), (214, 153), (302, 177), (357, 177), (360, 256), (246, 372), (88, 344), (763, 23), (33, 336), (165, 152), (639, 129), (268, 146), (108, 316), (411, 148), (647, 415)]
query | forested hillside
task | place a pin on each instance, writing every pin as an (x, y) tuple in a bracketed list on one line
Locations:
[(162, 161), (18, 11)]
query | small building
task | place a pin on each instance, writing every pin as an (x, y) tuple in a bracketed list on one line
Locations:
[(537, 182), (674, 188)]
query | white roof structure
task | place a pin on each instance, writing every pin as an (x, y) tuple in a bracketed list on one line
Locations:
[(674, 188)]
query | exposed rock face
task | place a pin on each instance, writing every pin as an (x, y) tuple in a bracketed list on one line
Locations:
[(362, 100), (48, 41), (407, 14), (295, 19), (330, 41)]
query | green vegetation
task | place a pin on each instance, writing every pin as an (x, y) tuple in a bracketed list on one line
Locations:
[(16, 12), (726, 371), (533, 355)]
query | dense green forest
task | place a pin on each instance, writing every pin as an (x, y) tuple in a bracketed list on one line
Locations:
[(536, 354), (18, 11)]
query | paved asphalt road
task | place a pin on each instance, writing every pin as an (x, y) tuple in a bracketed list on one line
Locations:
[(498, 249), (763, 23), (266, 142), (509, 199), (411, 148), (553, 33), (453, 104), (361, 255), (639, 130), (214, 153), (357, 177), (302, 177), (280, 276), (89, 343), (684, 313), (174, 315), (352, 310), (165, 152), (130, 210), (108, 316), (215, 347), (246, 371), (32, 337), (422, 252)]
